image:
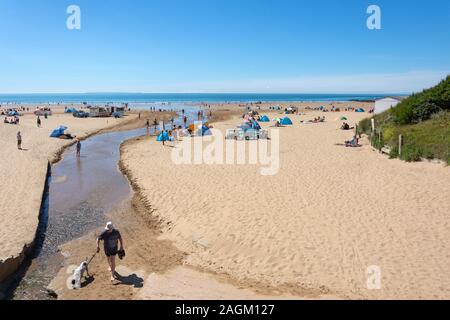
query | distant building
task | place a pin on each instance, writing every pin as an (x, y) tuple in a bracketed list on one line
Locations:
[(386, 103)]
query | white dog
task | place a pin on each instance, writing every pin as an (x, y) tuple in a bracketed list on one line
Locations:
[(78, 274)]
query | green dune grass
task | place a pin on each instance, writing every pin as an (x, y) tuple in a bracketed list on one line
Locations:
[(424, 122)]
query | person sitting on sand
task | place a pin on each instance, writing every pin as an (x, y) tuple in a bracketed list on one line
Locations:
[(110, 238), (345, 126), (352, 143), (6, 120)]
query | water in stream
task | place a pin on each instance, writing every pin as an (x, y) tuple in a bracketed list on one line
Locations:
[(81, 191)]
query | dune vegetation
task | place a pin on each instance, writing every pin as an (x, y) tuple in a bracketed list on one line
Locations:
[(423, 120)]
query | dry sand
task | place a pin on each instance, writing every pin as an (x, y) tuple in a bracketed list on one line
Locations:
[(316, 226), (24, 174)]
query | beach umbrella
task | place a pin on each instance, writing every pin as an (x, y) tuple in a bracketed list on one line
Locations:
[(344, 118)]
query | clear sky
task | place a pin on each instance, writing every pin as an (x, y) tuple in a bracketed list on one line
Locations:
[(223, 46)]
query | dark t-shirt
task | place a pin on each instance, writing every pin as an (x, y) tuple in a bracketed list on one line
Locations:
[(110, 240)]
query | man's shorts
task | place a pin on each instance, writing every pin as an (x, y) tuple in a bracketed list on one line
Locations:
[(111, 252)]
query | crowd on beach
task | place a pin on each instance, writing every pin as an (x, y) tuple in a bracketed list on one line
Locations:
[(12, 120)]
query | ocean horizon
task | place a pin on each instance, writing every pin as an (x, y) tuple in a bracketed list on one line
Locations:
[(158, 98)]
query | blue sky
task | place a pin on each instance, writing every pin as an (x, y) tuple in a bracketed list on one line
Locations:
[(223, 46)]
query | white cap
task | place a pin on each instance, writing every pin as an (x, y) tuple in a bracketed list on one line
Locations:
[(109, 226)]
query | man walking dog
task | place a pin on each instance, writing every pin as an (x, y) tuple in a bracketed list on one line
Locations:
[(111, 237)]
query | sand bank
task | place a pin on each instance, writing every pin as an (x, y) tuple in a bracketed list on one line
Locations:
[(316, 226)]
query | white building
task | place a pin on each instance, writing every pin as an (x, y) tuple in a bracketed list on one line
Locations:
[(386, 103)]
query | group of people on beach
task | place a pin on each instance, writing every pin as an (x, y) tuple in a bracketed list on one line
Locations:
[(12, 120), (318, 120), (6, 111)]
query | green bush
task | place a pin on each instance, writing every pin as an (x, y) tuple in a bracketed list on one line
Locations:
[(365, 126), (425, 111), (421, 106), (424, 121), (411, 153), (377, 143), (393, 154)]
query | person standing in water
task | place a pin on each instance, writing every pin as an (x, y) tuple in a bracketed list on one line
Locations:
[(111, 237), (78, 148), (19, 140)]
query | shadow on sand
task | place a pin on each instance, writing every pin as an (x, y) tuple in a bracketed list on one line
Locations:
[(131, 280)]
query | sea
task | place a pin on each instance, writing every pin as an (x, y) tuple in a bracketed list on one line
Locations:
[(177, 98)]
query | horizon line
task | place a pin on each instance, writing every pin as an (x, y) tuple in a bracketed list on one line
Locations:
[(180, 93)]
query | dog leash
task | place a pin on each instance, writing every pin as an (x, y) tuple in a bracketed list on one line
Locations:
[(92, 258)]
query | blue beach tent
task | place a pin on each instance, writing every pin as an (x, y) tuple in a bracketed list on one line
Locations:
[(163, 136), (70, 110), (264, 119), (360, 110), (255, 125), (206, 131), (286, 121), (58, 132)]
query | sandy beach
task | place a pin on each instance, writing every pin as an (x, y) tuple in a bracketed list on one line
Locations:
[(24, 174), (317, 226), (209, 231)]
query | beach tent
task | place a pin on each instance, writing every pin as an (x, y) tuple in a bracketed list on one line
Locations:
[(70, 110), (286, 121), (264, 119), (58, 132), (360, 110), (321, 108), (255, 125), (163, 136), (13, 113), (206, 131), (344, 118)]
